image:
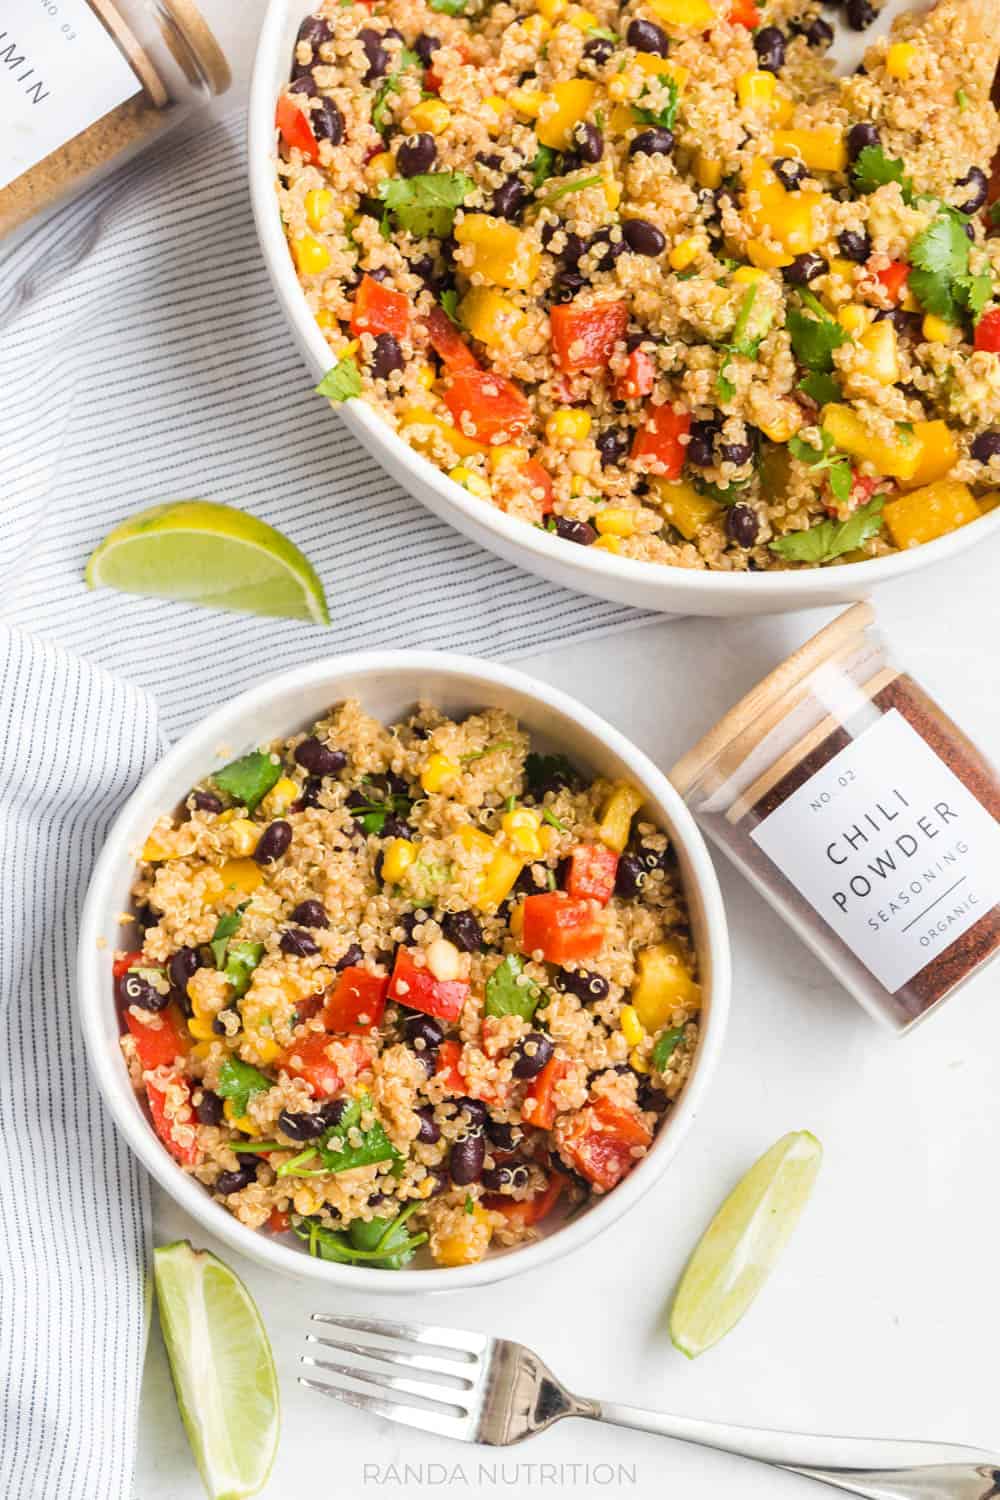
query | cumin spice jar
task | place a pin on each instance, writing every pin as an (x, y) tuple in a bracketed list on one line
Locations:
[(86, 84), (863, 815)]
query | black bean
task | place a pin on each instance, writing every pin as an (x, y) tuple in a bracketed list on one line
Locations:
[(219, 1024), (644, 36), (588, 142), (630, 876), (318, 759), (855, 245), (466, 1158), (233, 1182), (310, 914), (735, 453), (182, 966), (305, 83), (605, 245), (474, 1113), (599, 50), (612, 444), (333, 1112), (789, 172), (977, 180), (573, 247), (566, 285), (644, 238), (133, 989), (273, 842), (906, 324), (423, 1029), (700, 448), (416, 154), (532, 1053), (582, 983), (817, 32), (986, 446), (298, 943), (742, 525), (309, 795), (314, 30), (350, 959), (301, 1127), (210, 1108), (509, 199), (391, 34), (769, 45), (859, 137), (575, 531), (206, 801), (462, 929), (508, 1178), (429, 1131), (425, 47), (378, 57), (804, 268), (648, 1096), (658, 141), (503, 1135), (387, 356), (327, 123), (860, 14), (439, 1177)]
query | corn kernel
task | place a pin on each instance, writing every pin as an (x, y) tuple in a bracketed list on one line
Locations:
[(422, 426), (632, 1028), (755, 90), (578, 486), (583, 20), (612, 192), (707, 170), (535, 28), (471, 481), (325, 320), (936, 331), (568, 425), (747, 275), (609, 544), (526, 101), (426, 376), (399, 856), (853, 317), (243, 875), (616, 520), (243, 836), (843, 269), (551, 9), (471, 837), (521, 826), (496, 110), (381, 165), (443, 959), (516, 921), (899, 59), (280, 798), (432, 115), (311, 256), (201, 1050), (684, 12), (318, 203), (685, 252), (439, 770), (638, 1062), (201, 1028)]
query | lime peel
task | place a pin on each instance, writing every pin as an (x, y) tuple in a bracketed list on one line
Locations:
[(222, 1368), (743, 1243)]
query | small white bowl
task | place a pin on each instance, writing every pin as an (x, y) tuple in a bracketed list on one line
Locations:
[(388, 684), (588, 569)]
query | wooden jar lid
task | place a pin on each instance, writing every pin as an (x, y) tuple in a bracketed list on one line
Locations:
[(134, 52), (187, 31), (740, 730)]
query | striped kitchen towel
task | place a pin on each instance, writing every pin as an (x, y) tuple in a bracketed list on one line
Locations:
[(74, 1221)]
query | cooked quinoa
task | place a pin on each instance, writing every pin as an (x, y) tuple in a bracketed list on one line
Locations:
[(649, 276), (408, 987)]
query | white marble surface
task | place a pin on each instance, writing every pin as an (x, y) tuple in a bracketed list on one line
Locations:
[(882, 1317)]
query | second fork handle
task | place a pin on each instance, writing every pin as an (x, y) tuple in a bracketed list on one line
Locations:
[(880, 1469)]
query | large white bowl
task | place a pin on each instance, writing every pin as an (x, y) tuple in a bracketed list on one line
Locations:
[(388, 684), (645, 585)]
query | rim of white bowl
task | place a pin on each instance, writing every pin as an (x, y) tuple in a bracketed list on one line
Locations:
[(95, 993), (686, 585)]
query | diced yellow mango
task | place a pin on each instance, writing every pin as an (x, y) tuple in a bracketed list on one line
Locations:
[(419, 417), (930, 512), (469, 1242), (785, 422), (707, 170), (662, 67), (765, 257), (684, 12), (684, 507), (502, 254), (498, 879), (663, 985), (881, 352), (938, 452), (572, 100), (471, 838), (822, 150), (897, 457), (621, 807), (789, 217), (490, 317), (243, 875)]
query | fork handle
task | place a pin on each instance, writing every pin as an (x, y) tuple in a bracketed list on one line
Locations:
[(873, 1467)]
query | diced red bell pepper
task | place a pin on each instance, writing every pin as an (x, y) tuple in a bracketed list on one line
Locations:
[(639, 377), (988, 331), (657, 446), (560, 927), (448, 1067), (522, 1213), (538, 482), (296, 129), (540, 1101), (486, 406), (378, 309), (893, 277), (278, 1220), (600, 1143), (592, 872), (183, 1150), (584, 338), (327, 1076), (127, 961), (447, 342), (356, 1002), (419, 990), (745, 13), (159, 1043)]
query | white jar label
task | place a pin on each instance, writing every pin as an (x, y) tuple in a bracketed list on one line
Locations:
[(890, 848), (60, 72)]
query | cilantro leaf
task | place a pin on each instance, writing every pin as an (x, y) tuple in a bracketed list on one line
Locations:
[(873, 169), (940, 259), (250, 778), (241, 960), (665, 1045), (544, 165), (238, 1080), (225, 928), (814, 338), (667, 116), (342, 382), (448, 7), (741, 343), (335, 1149), (449, 301), (821, 388), (390, 86), (505, 996), (978, 291), (426, 204), (830, 539)]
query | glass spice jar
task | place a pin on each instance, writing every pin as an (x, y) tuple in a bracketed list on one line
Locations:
[(863, 815), (86, 84)]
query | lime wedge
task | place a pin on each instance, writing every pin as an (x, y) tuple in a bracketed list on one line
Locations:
[(222, 1369), (739, 1249), (209, 554)]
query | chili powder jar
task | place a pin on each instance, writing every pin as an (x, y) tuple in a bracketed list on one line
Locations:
[(863, 815)]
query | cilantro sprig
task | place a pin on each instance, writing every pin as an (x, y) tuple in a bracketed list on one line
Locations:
[(384, 1243), (506, 996), (249, 779), (741, 342), (544, 165), (874, 169), (940, 279), (825, 459), (667, 116), (814, 338), (381, 106), (425, 204), (342, 382), (237, 1081), (831, 539)]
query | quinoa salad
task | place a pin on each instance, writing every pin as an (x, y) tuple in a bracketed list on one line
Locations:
[(649, 276), (408, 990)]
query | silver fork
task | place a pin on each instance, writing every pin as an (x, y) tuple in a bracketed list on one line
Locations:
[(483, 1390)]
